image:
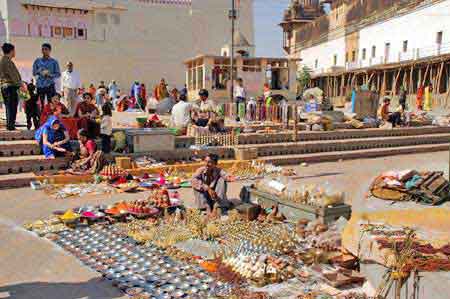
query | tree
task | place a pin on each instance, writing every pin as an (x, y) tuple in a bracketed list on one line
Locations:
[(303, 78)]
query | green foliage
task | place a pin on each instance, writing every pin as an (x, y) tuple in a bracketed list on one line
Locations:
[(303, 78)]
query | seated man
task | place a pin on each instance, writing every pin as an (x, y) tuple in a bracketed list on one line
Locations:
[(384, 114), (210, 186)]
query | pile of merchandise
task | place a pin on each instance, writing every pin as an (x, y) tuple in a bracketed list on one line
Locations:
[(288, 190), (428, 187), (76, 190), (152, 251)]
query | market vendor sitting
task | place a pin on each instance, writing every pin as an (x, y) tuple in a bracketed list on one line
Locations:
[(210, 185), (385, 115), (54, 139), (216, 124), (51, 107), (87, 113), (204, 107), (90, 160)]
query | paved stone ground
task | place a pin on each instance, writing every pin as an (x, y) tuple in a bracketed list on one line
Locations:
[(33, 268)]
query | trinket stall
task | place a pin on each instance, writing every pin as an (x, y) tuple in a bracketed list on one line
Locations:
[(113, 178), (156, 248), (400, 234)]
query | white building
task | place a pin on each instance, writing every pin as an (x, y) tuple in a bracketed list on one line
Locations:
[(124, 40), (395, 33), (393, 40)]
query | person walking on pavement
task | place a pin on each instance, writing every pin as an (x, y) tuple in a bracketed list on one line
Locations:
[(46, 70), (10, 81), (70, 84)]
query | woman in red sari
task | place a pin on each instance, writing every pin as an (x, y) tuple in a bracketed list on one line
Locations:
[(87, 113), (51, 107)]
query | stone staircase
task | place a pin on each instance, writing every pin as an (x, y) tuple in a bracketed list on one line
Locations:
[(20, 154), (20, 157)]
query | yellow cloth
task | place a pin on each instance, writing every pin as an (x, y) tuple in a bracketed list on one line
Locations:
[(428, 103), (69, 215)]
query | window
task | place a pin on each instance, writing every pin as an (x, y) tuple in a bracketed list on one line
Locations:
[(353, 55), (439, 37), (57, 31), (374, 51), (363, 54), (68, 32), (316, 63), (80, 32), (405, 46), (335, 60)]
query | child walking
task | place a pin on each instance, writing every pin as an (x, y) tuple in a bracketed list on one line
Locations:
[(106, 128)]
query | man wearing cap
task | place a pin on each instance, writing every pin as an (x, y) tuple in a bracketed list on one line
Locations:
[(10, 81), (70, 84), (46, 71)]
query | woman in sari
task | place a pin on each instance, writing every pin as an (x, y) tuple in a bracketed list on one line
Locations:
[(51, 107), (122, 104), (87, 112), (53, 138), (90, 159)]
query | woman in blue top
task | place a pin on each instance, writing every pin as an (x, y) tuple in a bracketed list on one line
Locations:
[(54, 139)]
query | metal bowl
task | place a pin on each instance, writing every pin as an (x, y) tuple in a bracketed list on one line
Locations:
[(178, 294), (184, 285), (168, 288), (121, 259), (193, 290), (152, 278), (204, 287)]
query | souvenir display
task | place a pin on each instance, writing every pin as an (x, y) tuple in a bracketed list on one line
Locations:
[(112, 171)]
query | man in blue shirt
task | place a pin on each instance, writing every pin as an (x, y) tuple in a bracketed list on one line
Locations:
[(46, 70)]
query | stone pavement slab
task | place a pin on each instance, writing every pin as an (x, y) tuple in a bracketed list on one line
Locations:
[(33, 268)]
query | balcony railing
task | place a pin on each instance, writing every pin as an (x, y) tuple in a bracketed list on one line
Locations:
[(413, 54)]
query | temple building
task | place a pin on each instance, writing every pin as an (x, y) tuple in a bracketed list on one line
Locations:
[(384, 44), (121, 40)]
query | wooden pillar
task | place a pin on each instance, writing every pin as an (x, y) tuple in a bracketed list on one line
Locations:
[(383, 85), (394, 83), (411, 87)]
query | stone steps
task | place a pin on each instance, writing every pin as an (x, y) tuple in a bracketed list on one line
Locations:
[(19, 148), (16, 135), (260, 138), (355, 154), (30, 163), (10, 181), (309, 147), (24, 179)]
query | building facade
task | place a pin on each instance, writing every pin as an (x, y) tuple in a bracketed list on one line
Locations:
[(121, 40), (382, 43)]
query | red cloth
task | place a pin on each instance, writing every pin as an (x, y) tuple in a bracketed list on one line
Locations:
[(71, 124), (50, 108), (91, 147)]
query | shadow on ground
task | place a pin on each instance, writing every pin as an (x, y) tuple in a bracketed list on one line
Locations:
[(96, 288)]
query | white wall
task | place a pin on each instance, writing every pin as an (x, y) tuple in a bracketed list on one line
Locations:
[(324, 53), (419, 28), (152, 40)]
